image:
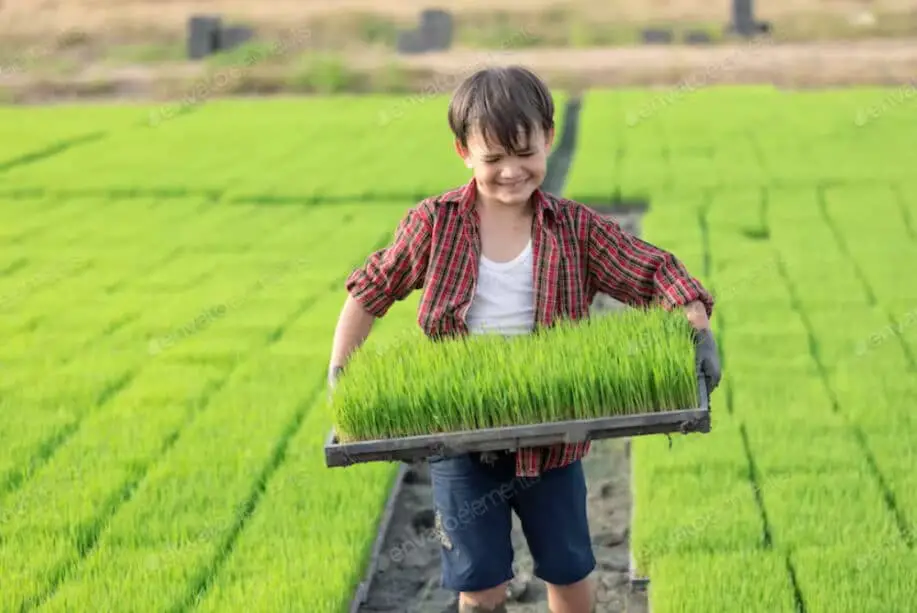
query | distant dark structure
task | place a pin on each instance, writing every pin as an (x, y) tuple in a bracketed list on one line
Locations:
[(744, 23), (203, 36), (230, 38), (697, 37), (434, 33), (657, 36), (206, 36)]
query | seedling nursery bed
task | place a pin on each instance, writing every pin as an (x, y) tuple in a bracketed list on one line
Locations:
[(629, 375)]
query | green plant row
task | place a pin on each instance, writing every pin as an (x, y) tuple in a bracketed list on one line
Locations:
[(125, 473), (641, 361), (638, 142)]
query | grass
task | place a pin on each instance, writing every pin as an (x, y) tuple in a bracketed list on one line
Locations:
[(572, 371), (133, 479)]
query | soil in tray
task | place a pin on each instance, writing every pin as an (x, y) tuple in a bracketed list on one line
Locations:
[(408, 575)]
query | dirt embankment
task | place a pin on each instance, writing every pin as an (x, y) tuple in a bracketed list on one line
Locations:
[(136, 49), (808, 65)]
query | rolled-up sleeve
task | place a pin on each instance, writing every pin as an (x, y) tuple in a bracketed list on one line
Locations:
[(393, 272), (635, 272)]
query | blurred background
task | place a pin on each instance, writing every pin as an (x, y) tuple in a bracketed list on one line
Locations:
[(99, 48)]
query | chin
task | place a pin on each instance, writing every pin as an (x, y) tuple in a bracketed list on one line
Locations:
[(517, 193)]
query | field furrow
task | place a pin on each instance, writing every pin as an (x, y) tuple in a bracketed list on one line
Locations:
[(198, 349), (849, 579), (65, 335), (80, 439), (877, 526), (747, 581), (268, 571), (185, 529)]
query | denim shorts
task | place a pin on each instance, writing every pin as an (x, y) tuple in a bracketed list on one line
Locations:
[(473, 503)]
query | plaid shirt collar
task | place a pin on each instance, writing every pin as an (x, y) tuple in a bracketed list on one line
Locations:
[(543, 203)]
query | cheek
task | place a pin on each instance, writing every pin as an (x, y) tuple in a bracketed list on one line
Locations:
[(486, 174), (536, 165)]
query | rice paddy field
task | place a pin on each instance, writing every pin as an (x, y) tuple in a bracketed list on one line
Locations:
[(168, 296)]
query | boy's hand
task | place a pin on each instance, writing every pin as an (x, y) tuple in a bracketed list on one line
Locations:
[(707, 358), (697, 315), (334, 373)]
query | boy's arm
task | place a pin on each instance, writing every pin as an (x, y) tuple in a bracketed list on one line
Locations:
[(638, 273), (388, 275)]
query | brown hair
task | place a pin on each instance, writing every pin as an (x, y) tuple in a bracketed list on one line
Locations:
[(499, 101)]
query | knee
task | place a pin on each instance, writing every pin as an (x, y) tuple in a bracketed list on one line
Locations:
[(492, 600), (576, 597)]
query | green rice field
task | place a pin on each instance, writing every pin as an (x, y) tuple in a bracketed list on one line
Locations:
[(168, 297)]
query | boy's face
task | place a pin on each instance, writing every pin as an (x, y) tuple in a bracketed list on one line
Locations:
[(503, 178)]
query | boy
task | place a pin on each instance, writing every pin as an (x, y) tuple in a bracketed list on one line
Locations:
[(499, 255)]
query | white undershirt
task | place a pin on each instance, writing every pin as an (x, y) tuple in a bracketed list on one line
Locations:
[(504, 299)]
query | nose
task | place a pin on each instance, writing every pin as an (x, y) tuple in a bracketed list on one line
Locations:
[(511, 172)]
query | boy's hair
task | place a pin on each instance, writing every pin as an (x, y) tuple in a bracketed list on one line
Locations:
[(499, 101)]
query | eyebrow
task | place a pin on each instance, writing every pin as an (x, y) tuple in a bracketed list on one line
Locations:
[(497, 154)]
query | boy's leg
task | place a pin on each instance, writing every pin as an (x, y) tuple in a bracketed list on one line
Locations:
[(474, 524), (552, 511)]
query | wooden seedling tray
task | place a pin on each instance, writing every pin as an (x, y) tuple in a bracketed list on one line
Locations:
[(417, 448)]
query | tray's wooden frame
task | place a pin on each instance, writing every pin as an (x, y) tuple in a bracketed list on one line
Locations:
[(418, 448)]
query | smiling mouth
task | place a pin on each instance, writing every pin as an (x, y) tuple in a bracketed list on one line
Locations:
[(514, 183)]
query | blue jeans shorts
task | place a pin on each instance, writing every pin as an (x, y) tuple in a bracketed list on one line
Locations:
[(473, 503)]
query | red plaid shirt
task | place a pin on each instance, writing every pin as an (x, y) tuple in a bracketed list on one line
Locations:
[(577, 253)]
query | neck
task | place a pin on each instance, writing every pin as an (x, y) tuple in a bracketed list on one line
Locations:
[(513, 211)]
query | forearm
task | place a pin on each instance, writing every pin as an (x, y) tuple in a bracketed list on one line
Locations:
[(696, 312), (353, 327), (640, 274)]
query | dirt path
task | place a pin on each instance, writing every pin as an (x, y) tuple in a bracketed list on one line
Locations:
[(759, 61), (407, 579)]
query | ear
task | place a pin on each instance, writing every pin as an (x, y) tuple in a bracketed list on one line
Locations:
[(463, 153), (549, 139)]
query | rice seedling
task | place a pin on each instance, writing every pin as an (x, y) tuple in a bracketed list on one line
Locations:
[(639, 362), (747, 581), (852, 579), (796, 510)]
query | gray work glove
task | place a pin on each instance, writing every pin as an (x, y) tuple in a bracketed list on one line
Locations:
[(707, 358)]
